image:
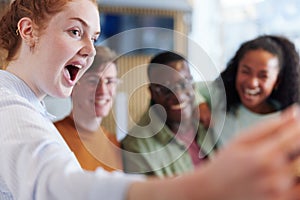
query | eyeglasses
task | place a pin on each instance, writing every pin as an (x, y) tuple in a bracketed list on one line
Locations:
[(169, 89), (108, 82)]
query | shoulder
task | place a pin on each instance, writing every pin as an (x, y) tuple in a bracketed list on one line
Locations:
[(15, 106), (137, 140), (66, 128), (111, 136), (131, 141), (67, 121)]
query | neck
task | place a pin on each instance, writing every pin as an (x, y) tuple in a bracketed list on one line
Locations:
[(21, 71), (84, 123), (181, 127), (265, 108)]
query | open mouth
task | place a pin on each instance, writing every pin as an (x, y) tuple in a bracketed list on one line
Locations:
[(252, 92), (73, 71), (102, 102)]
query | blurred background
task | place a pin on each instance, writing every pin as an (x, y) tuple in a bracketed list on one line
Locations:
[(216, 27)]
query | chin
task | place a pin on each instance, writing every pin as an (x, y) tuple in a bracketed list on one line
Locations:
[(101, 114), (65, 95), (62, 93)]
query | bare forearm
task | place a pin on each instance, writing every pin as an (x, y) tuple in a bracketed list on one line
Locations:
[(193, 187)]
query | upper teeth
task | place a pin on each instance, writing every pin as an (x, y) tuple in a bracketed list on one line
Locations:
[(252, 91), (101, 102), (78, 66), (179, 106)]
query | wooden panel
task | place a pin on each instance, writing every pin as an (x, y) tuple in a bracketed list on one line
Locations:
[(132, 72)]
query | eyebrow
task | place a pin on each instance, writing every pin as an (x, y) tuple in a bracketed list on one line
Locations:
[(249, 68), (84, 23), (245, 67)]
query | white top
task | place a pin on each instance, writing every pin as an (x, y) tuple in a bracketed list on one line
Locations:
[(35, 162), (242, 119)]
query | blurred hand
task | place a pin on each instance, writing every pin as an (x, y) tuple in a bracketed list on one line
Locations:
[(258, 165)]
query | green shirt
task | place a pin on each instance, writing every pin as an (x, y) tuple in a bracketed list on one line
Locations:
[(155, 150)]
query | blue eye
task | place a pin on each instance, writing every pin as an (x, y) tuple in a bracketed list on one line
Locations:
[(76, 32)]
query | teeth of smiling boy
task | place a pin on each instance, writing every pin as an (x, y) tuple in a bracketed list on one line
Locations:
[(179, 106), (102, 102)]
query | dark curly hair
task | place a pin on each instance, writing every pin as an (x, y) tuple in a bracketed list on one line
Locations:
[(163, 58), (287, 91)]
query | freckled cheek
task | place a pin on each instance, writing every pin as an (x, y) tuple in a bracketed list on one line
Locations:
[(64, 48)]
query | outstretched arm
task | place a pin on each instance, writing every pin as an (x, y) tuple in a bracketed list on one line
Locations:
[(257, 165)]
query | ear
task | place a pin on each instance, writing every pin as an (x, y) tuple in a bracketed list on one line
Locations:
[(27, 31)]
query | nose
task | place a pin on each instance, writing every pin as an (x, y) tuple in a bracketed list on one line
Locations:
[(88, 49), (101, 87), (253, 82), (182, 88)]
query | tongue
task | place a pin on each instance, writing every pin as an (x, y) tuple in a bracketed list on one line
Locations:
[(72, 71)]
